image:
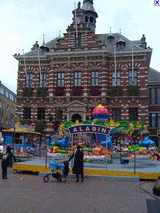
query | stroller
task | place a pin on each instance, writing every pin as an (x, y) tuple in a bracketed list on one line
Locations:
[(59, 171)]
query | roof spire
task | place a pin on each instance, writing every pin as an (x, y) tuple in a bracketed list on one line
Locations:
[(110, 29), (43, 39), (88, 1)]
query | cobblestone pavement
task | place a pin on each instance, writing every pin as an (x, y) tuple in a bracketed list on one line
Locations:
[(27, 193)]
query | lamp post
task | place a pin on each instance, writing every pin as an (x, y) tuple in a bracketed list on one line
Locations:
[(14, 138), (134, 156)]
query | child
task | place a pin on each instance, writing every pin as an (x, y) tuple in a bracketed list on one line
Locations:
[(4, 165)]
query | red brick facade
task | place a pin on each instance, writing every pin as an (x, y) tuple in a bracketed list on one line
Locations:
[(95, 53)]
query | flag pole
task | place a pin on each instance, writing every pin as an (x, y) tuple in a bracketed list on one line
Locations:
[(39, 66), (115, 65), (76, 21), (132, 65), (25, 69)]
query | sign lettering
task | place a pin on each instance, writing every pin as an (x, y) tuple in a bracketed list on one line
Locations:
[(89, 129)]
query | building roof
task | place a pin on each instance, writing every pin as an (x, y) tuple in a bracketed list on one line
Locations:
[(103, 38), (51, 45), (153, 76), (119, 37), (88, 5)]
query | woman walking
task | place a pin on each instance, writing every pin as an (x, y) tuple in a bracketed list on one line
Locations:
[(78, 163)]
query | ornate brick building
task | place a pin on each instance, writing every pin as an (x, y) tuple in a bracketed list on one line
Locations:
[(7, 106), (154, 104), (67, 77)]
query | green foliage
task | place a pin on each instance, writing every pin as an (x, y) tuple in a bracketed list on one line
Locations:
[(39, 126), (133, 148), (23, 122), (42, 92), (99, 122), (116, 91), (87, 122), (68, 124), (133, 90), (38, 91), (123, 123), (27, 91), (89, 149)]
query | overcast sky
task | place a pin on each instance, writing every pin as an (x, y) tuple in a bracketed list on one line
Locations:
[(23, 22)]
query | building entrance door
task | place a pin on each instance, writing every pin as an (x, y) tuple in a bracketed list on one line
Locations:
[(76, 117)]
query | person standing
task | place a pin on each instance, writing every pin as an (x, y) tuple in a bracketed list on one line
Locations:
[(4, 165), (78, 163), (9, 155)]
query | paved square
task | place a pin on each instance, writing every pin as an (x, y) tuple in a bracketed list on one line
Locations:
[(23, 193)]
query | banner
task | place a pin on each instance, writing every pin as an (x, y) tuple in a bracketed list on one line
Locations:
[(89, 129)]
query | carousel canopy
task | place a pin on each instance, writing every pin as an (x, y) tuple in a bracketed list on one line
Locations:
[(100, 112)]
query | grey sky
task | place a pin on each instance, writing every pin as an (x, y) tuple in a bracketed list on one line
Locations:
[(23, 22)]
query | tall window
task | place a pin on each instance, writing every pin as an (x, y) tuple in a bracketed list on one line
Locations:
[(116, 114), (29, 79), (11, 97), (43, 79), (77, 79), (158, 120), (2, 90), (116, 79), (11, 113), (60, 79), (27, 113), (7, 94), (158, 95), (95, 78), (133, 114), (78, 40), (2, 106), (153, 120), (152, 96), (41, 113), (134, 77)]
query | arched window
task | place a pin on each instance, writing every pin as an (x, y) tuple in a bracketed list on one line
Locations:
[(110, 38), (91, 19), (120, 44), (76, 117)]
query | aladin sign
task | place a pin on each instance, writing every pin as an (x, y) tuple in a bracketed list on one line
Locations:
[(89, 129)]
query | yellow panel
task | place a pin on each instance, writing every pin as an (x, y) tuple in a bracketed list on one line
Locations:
[(36, 168)]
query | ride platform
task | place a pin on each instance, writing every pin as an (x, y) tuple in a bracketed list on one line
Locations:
[(144, 169)]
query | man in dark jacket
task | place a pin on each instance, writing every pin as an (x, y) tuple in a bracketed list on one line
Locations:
[(9, 155), (4, 165), (78, 163), (8, 151)]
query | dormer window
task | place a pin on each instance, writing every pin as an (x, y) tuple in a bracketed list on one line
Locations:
[(110, 38), (120, 44), (86, 19), (91, 19)]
